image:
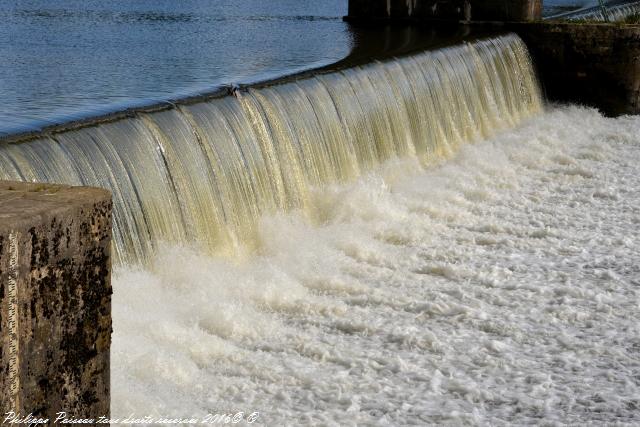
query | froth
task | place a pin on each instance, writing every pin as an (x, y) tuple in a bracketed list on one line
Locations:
[(499, 287)]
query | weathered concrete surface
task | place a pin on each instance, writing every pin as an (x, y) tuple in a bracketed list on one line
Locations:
[(55, 299), (595, 64), (451, 10)]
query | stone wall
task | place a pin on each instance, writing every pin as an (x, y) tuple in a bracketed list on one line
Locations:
[(587, 63), (55, 300)]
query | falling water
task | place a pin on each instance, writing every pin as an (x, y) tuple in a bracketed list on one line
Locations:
[(206, 172)]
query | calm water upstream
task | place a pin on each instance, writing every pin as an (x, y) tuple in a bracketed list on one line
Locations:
[(68, 59)]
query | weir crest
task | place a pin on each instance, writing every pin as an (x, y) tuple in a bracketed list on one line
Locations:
[(206, 172)]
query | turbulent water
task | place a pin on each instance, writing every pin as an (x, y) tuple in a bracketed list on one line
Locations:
[(499, 287), (206, 172)]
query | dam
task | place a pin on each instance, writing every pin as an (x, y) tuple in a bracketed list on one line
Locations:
[(205, 173), (413, 235)]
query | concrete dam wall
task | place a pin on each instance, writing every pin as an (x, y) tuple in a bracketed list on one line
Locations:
[(202, 173)]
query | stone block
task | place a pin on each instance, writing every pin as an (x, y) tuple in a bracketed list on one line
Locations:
[(594, 64), (55, 300)]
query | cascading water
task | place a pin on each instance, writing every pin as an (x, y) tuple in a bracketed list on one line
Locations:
[(205, 173)]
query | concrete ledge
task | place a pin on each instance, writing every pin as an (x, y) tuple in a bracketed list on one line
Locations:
[(55, 300)]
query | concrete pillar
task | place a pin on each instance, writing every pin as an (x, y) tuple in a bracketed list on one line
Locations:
[(55, 300), (448, 10)]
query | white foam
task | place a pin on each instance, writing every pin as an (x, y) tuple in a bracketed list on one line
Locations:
[(500, 287)]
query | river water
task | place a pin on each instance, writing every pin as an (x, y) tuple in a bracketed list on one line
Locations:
[(69, 59), (498, 287)]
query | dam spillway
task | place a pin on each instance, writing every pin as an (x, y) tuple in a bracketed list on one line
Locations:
[(205, 173), (498, 287)]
